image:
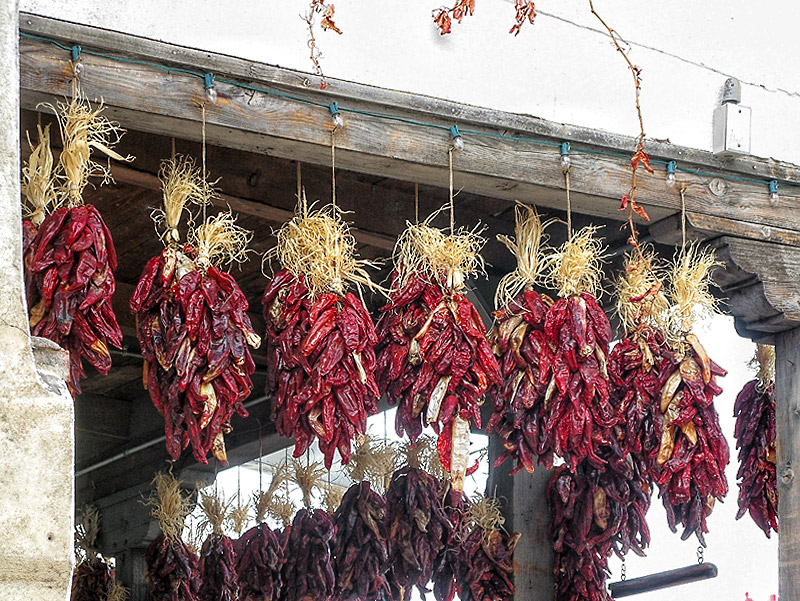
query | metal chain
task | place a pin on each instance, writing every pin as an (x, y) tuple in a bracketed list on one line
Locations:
[(700, 558), (623, 575)]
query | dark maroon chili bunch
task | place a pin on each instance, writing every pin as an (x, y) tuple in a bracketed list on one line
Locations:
[(435, 361), (596, 511), (308, 573), (91, 580), (322, 356), (219, 580), (418, 527), (71, 263), (361, 546), (487, 566), (693, 453), (173, 570), (634, 365), (755, 438), (519, 341), (259, 561), (578, 413), (195, 335)]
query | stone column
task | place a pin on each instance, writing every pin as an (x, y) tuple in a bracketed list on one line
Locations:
[(36, 410)]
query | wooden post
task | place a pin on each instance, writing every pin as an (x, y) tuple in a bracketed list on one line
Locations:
[(787, 418), (533, 556)]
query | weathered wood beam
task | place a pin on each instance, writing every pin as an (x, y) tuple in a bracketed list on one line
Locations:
[(787, 418), (149, 99)]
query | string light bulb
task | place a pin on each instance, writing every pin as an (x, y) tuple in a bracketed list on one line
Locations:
[(566, 162), (455, 136), (773, 190), (211, 90), (77, 66), (338, 121), (671, 166)]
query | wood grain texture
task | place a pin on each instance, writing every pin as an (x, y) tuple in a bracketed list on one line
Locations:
[(787, 418), (149, 99), (533, 556)]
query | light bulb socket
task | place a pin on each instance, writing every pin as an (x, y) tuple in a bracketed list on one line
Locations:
[(671, 167), (208, 80), (76, 52), (333, 107), (566, 161), (773, 187), (455, 136)]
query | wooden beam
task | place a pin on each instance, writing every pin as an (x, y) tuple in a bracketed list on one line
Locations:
[(147, 98), (787, 418), (533, 555)]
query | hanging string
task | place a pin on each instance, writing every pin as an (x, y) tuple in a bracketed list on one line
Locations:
[(452, 208), (173, 148), (333, 166), (416, 201), (683, 216), (569, 204), (203, 151), (299, 180), (260, 458)]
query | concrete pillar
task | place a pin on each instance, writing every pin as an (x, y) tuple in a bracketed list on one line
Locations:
[(36, 410)]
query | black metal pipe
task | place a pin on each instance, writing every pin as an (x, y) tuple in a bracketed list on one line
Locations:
[(654, 582)]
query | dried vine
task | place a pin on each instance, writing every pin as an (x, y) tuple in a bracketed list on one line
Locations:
[(318, 7), (640, 157)]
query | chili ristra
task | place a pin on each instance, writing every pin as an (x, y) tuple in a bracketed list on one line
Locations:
[(418, 527), (308, 574), (322, 360), (755, 438), (260, 555), (361, 546), (195, 335)]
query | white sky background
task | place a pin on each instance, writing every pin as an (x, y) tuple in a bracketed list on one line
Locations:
[(747, 560)]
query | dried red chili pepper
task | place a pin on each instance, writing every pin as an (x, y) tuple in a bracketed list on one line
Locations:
[(577, 415), (633, 369), (361, 547), (74, 281), (194, 333), (322, 361), (755, 438), (91, 580), (418, 527), (449, 563), (71, 260), (435, 362), (308, 573), (259, 561), (693, 453), (596, 511)]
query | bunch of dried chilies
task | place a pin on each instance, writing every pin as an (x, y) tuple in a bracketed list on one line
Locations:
[(320, 338), (434, 361), (690, 465), (173, 570), (755, 438), (219, 579), (192, 322), (68, 251)]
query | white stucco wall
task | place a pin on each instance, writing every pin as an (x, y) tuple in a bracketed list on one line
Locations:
[(563, 68)]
